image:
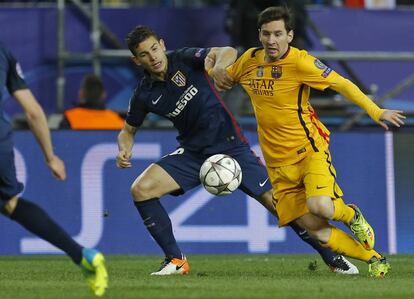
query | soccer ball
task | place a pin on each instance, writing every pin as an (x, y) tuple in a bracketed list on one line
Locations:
[(220, 174)]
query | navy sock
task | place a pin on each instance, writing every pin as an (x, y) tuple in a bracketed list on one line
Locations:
[(37, 221), (158, 224), (326, 254)]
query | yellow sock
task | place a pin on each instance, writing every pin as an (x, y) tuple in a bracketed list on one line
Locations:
[(342, 212), (343, 243)]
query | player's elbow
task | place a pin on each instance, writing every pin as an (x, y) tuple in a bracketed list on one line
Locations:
[(34, 114)]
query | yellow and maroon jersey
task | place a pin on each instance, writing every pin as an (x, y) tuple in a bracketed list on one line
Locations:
[(288, 127)]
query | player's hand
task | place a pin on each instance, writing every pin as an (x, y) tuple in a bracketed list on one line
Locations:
[(395, 117), (123, 160), (221, 78), (57, 167)]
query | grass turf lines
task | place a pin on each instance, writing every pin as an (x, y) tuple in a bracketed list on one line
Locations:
[(211, 276)]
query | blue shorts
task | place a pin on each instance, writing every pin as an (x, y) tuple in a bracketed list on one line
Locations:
[(9, 185), (184, 167)]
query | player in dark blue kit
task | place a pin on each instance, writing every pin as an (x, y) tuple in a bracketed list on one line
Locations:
[(26, 213), (176, 86)]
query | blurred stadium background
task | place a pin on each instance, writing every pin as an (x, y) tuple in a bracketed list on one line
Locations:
[(57, 42)]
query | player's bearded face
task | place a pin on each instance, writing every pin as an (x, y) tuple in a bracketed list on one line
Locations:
[(150, 54), (275, 39)]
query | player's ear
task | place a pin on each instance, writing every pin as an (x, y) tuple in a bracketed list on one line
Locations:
[(135, 60), (162, 43), (290, 36)]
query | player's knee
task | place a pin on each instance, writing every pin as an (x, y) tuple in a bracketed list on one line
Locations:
[(320, 206), (142, 190), (10, 206)]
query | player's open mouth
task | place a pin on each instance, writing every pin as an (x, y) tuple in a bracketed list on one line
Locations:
[(272, 51), (157, 65)]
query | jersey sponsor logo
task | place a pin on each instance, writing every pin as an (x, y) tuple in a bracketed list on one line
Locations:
[(187, 96), (319, 64), (261, 184), (262, 87), (276, 71), (321, 187), (179, 79), (326, 72), (260, 71), (156, 101)]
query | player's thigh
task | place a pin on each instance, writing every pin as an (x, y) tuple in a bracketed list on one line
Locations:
[(9, 185), (289, 192), (255, 179), (320, 176), (184, 168)]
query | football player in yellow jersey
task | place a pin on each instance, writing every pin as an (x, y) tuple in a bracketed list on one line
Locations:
[(295, 143)]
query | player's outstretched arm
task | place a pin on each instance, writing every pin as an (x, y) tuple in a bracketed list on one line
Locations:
[(355, 95), (36, 119), (216, 62), (125, 144)]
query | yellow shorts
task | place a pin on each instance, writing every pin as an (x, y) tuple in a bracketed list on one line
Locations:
[(293, 184)]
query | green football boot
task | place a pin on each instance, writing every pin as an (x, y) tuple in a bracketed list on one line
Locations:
[(378, 267), (361, 229), (93, 268)]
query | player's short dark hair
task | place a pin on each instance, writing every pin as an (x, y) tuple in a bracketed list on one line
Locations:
[(276, 13), (92, 88), (138, 35)]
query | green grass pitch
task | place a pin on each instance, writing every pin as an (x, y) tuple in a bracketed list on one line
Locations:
[(211, 276)]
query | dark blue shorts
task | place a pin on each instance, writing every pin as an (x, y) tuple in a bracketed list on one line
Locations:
[(9, 185), (184, 167)]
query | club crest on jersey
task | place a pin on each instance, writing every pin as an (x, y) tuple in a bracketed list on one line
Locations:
[(260, 71), (179, 79), (276, 71), (319, 64)]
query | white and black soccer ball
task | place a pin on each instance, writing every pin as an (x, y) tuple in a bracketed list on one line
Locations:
[(220, 174)]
